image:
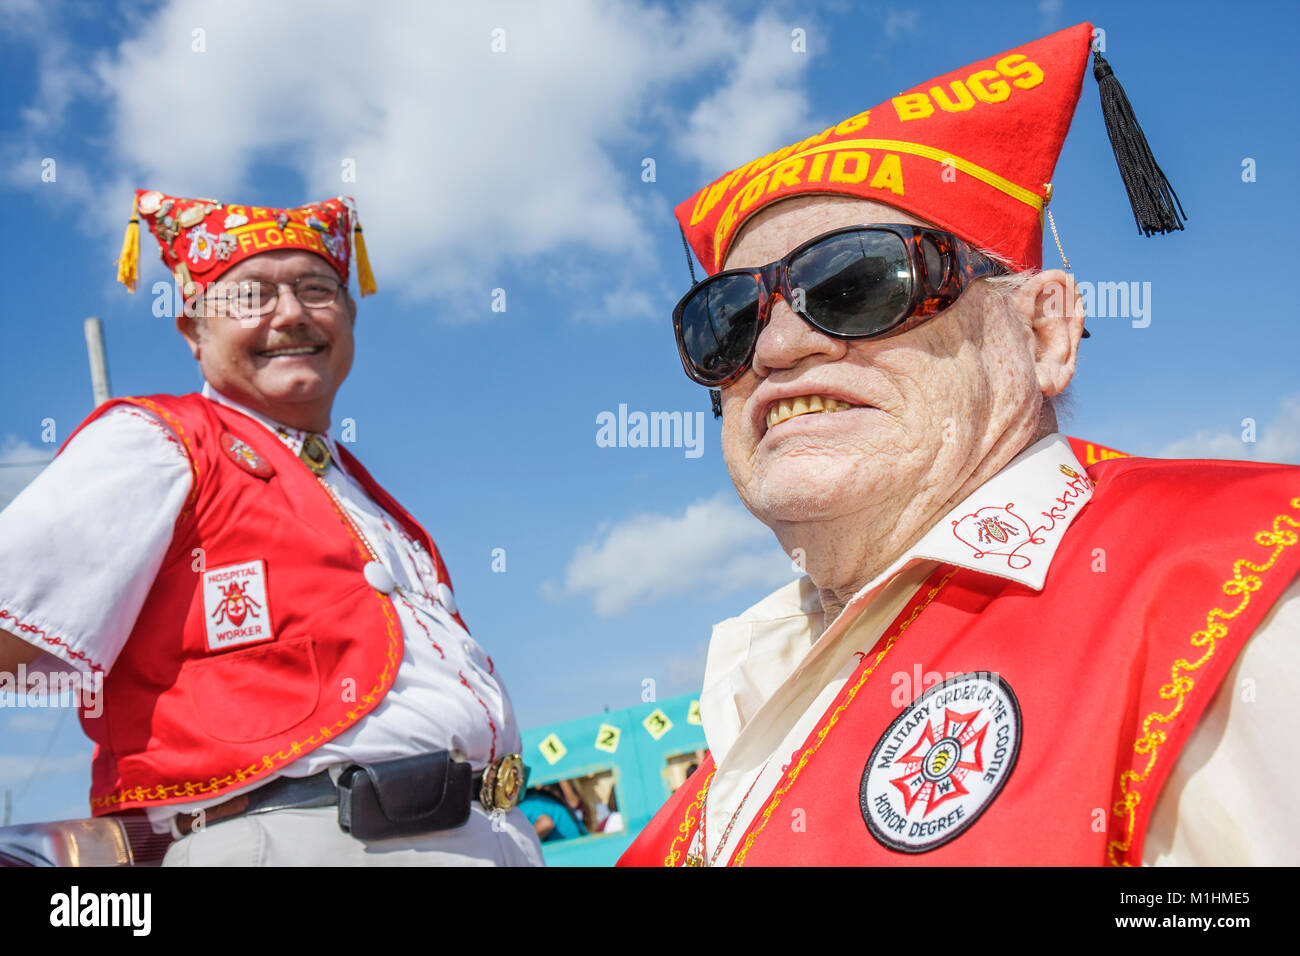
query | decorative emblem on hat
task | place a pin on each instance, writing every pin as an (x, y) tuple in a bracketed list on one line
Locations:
[(226, 246), (150, 202), (202, 244), (218, 236), (191, 216)]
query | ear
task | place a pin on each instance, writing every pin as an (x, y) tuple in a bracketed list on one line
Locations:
[(191, 328), (1053, 312)]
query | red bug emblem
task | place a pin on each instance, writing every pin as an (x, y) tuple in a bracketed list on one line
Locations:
[(995, 529), (235, 605)]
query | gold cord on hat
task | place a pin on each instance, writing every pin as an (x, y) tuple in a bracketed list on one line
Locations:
[(1052, 222)]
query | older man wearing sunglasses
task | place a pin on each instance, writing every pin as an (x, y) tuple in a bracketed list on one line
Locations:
[(286, 678), (998, 654)]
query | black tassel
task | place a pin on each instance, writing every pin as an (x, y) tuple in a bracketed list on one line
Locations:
[(689, 263), (1155, 204), (715, 396)]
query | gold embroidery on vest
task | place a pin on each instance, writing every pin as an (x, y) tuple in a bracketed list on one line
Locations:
[(688, 822), (824, 731), (1242, 585)]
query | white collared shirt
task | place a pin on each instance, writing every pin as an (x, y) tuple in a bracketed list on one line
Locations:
[(81, 545), (772, 673)]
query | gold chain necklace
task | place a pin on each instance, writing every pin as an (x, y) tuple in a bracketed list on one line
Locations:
[(370, 548), (697, 858)]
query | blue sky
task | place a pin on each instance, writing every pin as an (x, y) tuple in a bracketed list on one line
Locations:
[(522, 171)]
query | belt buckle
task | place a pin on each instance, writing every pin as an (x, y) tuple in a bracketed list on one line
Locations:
[(503, 783)]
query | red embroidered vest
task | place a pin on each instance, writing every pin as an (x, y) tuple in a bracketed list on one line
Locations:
[(182, 721), (1063, 710)]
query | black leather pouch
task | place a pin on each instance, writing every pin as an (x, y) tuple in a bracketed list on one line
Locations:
[(404, 797)]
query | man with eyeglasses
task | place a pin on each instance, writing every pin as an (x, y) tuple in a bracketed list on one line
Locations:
[(286, 677), (1010, 647)]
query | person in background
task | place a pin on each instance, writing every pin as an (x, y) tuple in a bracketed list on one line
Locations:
[(550, 816), (281, 652)]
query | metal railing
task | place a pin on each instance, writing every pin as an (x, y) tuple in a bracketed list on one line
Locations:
[(122, 840)]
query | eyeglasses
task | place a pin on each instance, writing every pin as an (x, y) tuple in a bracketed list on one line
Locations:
[(250, 298), (862, 282)]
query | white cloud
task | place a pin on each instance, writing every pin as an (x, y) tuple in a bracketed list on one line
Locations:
[(34, 721), (686, 670), (899, 22), (15, 472), (1050, 12), (630, 299), (18, 769), (761, 107), (714, 546), (60, 79), (1276, 441), (469, 163)]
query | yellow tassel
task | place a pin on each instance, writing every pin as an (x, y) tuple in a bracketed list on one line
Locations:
[(128, 263), (365, 278)]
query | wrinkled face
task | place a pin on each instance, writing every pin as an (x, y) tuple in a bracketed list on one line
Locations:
[(287, 364), (926, 406)]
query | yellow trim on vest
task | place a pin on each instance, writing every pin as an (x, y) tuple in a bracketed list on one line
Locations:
[(685, 828), (1179, 685), (824, 731)]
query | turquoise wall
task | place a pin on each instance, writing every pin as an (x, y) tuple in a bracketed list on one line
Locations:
[(630, 750)]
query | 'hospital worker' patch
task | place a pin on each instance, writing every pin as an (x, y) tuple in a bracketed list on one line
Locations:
[(234, 603)]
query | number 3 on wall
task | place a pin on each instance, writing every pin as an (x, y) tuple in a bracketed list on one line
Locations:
[(657, 723)]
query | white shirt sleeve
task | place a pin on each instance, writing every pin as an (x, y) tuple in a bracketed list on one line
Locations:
[(1230, 798), (81, 545)]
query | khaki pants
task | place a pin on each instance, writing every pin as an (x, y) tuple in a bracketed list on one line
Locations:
[(311, 837)]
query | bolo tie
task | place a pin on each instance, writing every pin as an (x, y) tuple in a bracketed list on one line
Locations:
[(315, 454)]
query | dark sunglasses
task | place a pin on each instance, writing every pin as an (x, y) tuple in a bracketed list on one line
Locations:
[(862, 282)]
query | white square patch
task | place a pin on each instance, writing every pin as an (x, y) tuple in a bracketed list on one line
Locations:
[(235, 605)]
